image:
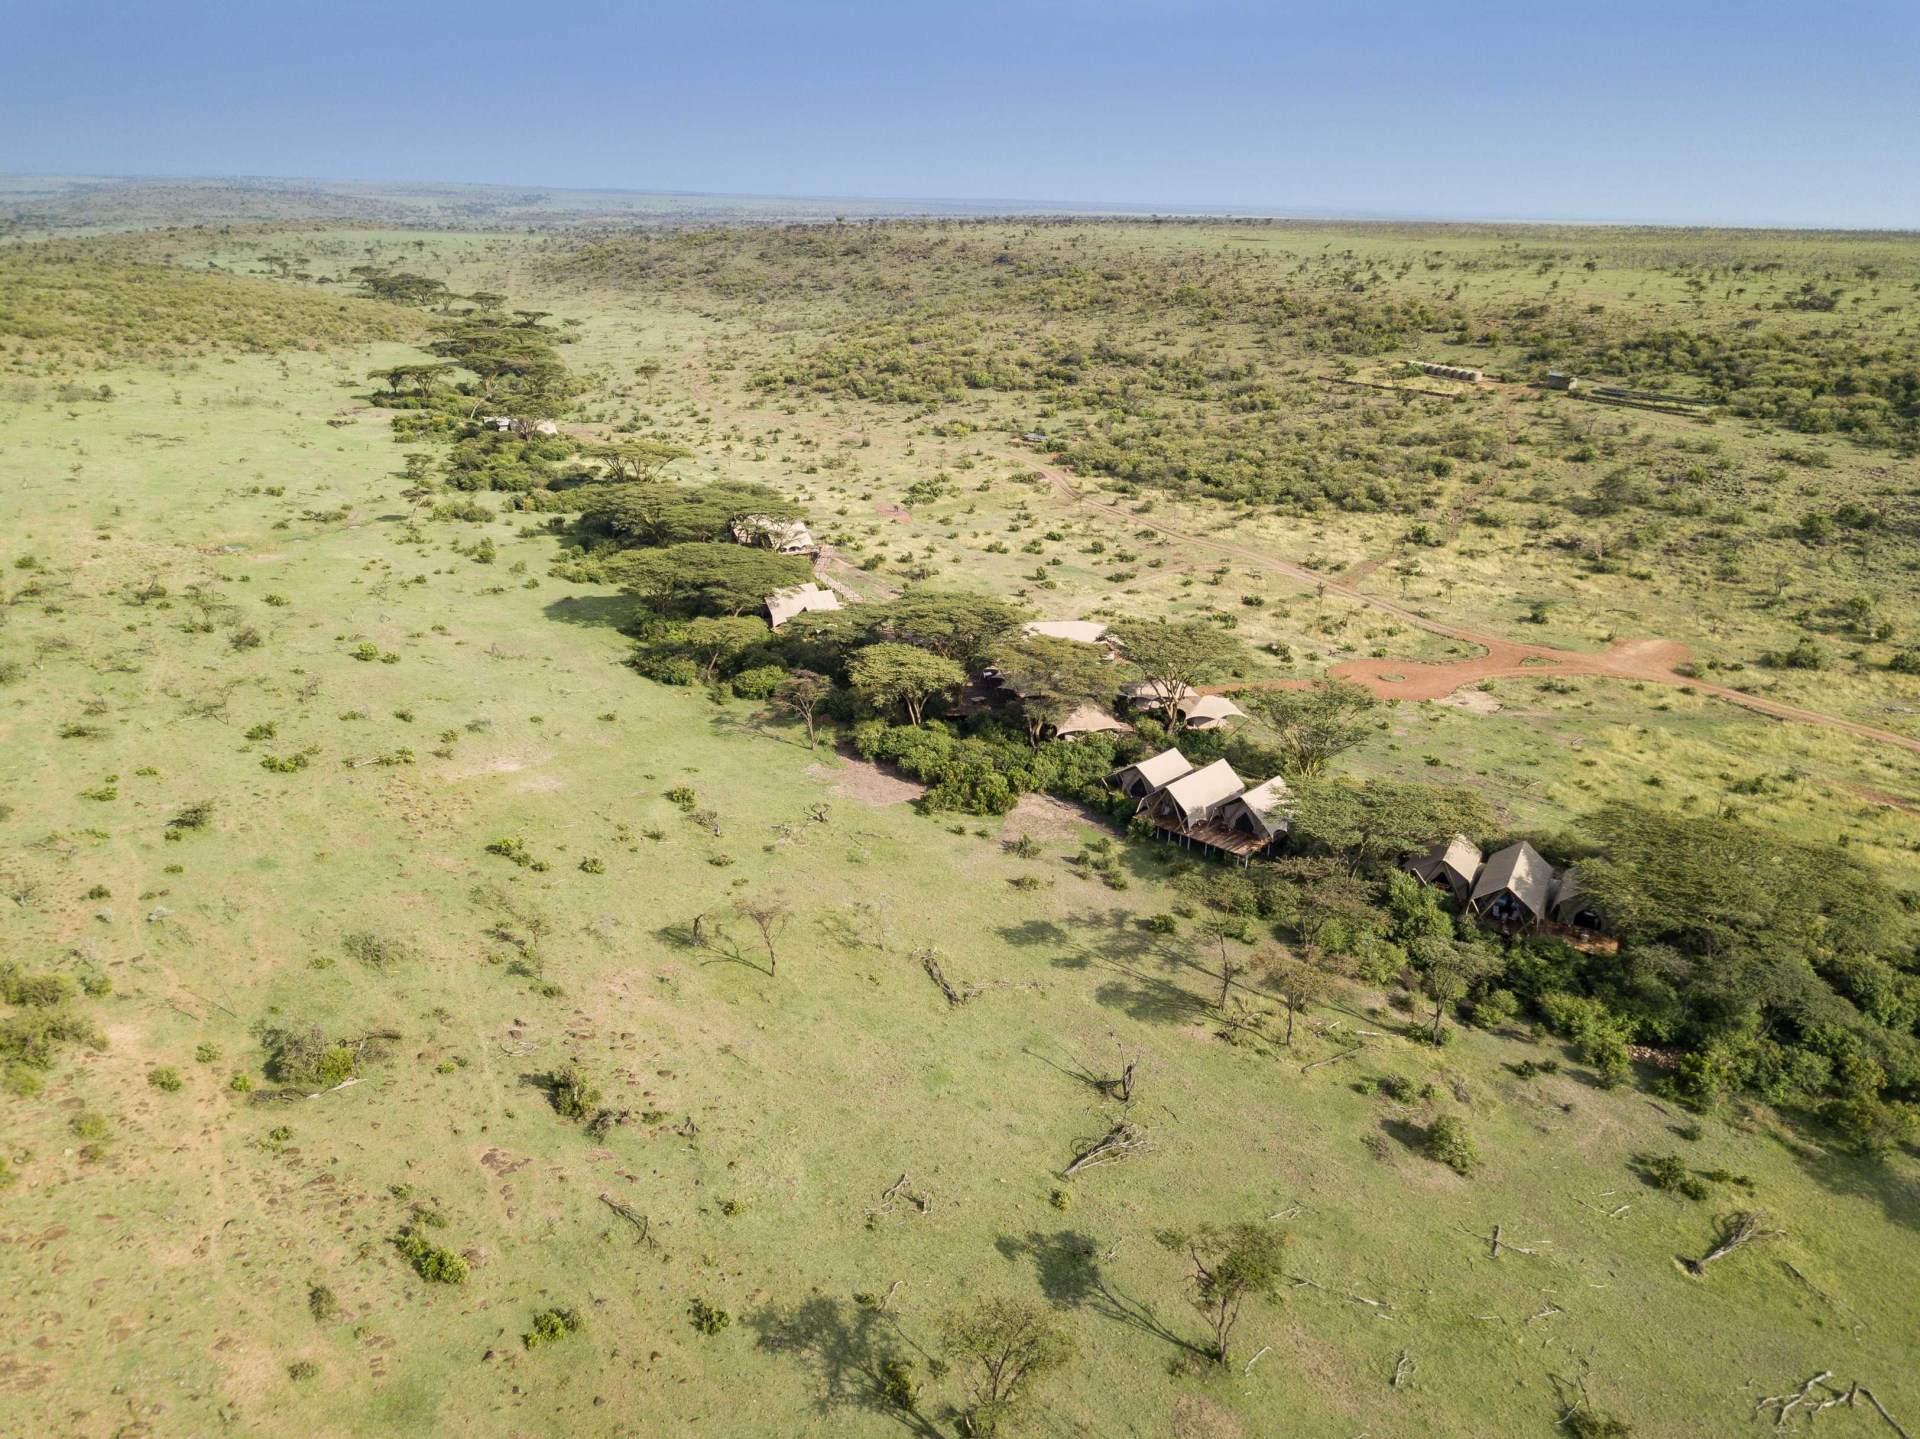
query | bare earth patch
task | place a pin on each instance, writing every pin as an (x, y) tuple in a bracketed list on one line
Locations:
[(1045, 818), (857, 779), (1474, 701)]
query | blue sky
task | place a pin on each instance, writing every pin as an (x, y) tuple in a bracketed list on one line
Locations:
[(1768, 111)]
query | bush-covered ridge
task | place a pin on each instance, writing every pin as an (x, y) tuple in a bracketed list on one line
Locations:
[(84, 301)]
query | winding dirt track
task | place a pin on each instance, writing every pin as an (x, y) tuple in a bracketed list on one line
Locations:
[(1649, 661)]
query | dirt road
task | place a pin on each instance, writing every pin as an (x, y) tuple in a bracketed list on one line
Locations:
[(1648, 661)]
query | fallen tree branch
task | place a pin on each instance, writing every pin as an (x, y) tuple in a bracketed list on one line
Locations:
[(1817, 1395), (1333, 1059), (1123, 1140), (1734, 1231), (634, 1217)]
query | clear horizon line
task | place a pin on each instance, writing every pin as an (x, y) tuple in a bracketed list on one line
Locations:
[(1027, 207)]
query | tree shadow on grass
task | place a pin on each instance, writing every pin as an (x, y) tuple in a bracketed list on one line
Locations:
[(1067, 1265), (1812, 1147), (847, 1346), (613, 611), (1115, 940), (1410, 1135)]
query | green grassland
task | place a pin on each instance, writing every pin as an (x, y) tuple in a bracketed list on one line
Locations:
[(209, 551)]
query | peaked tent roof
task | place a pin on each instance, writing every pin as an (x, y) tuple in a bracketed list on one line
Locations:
[(1266, 803), (1088, 718), (1208, 710), (1519, 870), (1458, 859), (1204, 789), (1160, 769), (783, 605)]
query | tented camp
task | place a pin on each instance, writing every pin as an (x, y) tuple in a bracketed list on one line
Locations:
[(1086, 632), (1573, 906), (1260, 812), (1208, 711), (1144, 778), (1196, 797), (1453, 864), (786, 537), (1088, 719), (1513, 888), (1148, 695), (783, 605)]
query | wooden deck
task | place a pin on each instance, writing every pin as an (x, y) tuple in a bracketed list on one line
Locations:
[(1232, 842)]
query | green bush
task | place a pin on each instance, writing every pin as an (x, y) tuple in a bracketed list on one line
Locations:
[(551, 1325), (706, 1318), (431, 1262), (574, 1094), (1448, 1142), (165, 1078)]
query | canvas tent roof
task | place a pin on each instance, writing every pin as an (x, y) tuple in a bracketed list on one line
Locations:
[(1089, 718), (1208, 711), (1569, 899), (1457, 861), (1195, 796), (1520, 871), (783, 605), (1147, 694), (1265, 806), (1087, 632), (1152, 773)]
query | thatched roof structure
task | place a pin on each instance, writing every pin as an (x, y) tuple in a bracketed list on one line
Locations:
[(1573, 906), (786, 537)]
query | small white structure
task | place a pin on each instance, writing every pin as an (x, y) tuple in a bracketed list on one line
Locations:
[(1208, 711), (1090, 719), (785, 537), (783, 605), (1145, 778), (1086, 632), (1260, 811)]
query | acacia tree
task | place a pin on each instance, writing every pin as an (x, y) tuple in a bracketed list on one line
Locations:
[(961, 628), (801, 695), (1362, 823), (1054, 677), (1229, 1266), (890, 674), (1315, 724), (770, 917), (1447, 970), (1297, 982), (1321, 898), (1175, 656), (1005, 1347), (714, 641)]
